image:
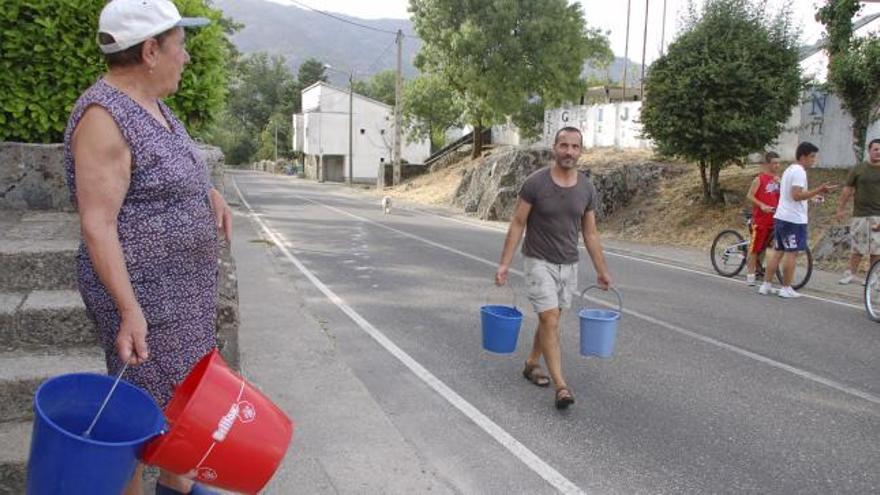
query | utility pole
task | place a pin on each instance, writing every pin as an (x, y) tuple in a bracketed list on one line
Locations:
[(663, 31), (398, 89), (626, 48), (276, 142), (644, 49), (350, 127)]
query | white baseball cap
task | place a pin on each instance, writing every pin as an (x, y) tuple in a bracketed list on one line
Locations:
[(130, 22)]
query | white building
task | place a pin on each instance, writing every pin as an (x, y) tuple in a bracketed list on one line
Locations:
[(819, 118), (321, 133)]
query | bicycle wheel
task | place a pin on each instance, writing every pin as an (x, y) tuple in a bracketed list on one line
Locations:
[(803, 270), (872, 292), (728, 253)]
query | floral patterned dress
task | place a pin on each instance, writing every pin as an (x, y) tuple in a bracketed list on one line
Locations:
[(169, 239)]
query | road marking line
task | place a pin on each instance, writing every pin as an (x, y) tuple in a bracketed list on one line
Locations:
[(612, 252), (669, 326), (523, 453)]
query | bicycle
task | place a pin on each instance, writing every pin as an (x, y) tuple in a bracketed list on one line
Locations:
[(872, 292), (730, 251)]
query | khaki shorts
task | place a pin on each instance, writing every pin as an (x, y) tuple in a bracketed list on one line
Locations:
[(863, 237), (549, 285)]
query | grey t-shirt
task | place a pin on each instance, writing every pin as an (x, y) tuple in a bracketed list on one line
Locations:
[(555, 218)]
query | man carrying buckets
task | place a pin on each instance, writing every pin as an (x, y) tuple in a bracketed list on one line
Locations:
[(554, 204)]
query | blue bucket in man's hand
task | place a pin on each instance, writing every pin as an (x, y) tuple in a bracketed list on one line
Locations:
[(500, 326), (599, 328), (62, 460)]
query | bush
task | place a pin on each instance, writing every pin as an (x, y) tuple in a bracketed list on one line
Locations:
[(49, 56)]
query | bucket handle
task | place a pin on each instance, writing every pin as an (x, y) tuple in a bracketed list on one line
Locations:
[(612, 289), (486, 300)]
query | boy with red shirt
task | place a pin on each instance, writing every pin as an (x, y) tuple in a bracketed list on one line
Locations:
[(764, 196)]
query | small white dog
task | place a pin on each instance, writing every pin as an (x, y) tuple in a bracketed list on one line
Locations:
[(386, 205)]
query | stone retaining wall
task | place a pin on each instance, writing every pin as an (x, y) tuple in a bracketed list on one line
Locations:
[(32, 178), (490, 187)]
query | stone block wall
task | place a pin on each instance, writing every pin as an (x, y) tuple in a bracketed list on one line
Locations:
[(490, 188), (32, 177), (407, 171)]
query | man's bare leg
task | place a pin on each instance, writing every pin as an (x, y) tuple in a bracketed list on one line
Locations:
[(548, 336)]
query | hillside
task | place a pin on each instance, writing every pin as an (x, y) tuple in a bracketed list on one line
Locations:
[(299, 34)]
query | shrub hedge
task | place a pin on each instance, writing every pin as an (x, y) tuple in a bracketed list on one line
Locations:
[(49, 55)]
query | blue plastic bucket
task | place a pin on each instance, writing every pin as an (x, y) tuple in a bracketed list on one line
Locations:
[(599, 328), (62, 461), (500, 328)]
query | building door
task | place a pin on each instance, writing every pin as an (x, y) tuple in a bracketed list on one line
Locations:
[(334, 168)]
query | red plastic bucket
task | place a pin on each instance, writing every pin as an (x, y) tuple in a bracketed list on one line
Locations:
[(223, 431)]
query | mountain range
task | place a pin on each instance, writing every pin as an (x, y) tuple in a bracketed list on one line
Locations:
[(299, 34), (364, 46)]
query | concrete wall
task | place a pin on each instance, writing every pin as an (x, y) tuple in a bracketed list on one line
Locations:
[(32, 177), (612, 124), (821, 120), (297, 138)]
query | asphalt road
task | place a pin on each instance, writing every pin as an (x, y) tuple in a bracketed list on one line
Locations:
[(712, 389)]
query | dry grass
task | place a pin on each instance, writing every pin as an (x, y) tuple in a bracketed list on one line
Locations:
[(431, 189), (599, 158), (676, 215)]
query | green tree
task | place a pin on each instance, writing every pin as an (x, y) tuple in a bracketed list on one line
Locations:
[(310, 72), (724, 89), (380, 87), (275, 138), (430, 107), (260, 87), (499, 54), (48, 57), (238, 141), (853, 68)]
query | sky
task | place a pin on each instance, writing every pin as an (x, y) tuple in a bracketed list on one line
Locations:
[(607, 15)]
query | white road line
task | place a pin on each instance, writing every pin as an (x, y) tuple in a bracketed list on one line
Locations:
[(669, 326), (612, 252), (529, 458)]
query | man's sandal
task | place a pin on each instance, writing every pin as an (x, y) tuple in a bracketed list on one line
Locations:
[(564, 398), (534, 374)]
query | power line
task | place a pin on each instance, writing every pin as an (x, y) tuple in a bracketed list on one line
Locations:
[(372, 66), (347, 21)]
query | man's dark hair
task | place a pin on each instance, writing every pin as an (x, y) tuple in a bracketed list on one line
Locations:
[(131, 55), (568, 129), (770, 156), (804, 149), (873, 142)]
